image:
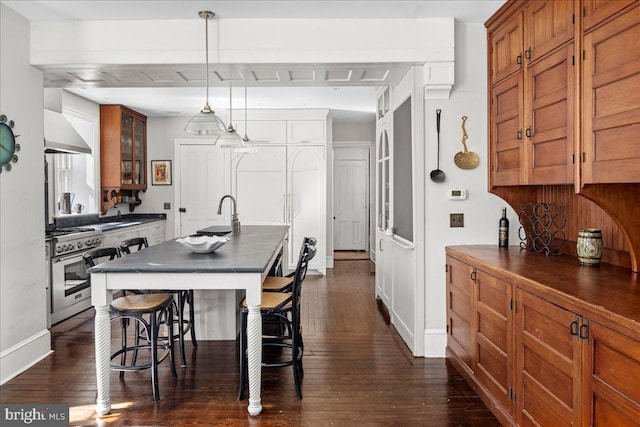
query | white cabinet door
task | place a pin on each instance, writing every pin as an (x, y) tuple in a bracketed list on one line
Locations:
[(155, 233), (264, 131), (202, 184), (260, 186), (306, 132), (306, 204)]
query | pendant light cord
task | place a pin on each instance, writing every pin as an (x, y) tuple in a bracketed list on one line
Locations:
[(245, 114), (206, 53)]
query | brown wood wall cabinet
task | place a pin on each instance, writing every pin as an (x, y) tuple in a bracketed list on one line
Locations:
[(123, 156), (564, 112), (549, 342)]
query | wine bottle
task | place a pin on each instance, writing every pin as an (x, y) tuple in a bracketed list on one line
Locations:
[(503, 230)]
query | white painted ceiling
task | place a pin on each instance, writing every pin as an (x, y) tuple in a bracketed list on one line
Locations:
[(269, 86)]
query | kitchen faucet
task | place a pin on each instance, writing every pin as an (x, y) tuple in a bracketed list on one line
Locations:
[(235, 224)]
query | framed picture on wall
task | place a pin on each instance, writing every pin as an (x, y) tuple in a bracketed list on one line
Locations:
[(161, 172)]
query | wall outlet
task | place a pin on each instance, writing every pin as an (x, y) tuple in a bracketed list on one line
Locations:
[(167, 206), (456, 220)]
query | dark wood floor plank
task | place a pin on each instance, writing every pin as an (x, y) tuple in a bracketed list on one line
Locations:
[(357, 371)]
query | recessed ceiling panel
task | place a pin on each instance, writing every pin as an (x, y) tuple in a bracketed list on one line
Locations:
[(225, 76), (92, 77), (302, 76), (377, 75), (339, 75), (192, 75), (163, 77), (128, 76), (263, 76)]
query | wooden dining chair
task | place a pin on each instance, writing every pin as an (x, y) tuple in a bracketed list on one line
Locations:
[(133, 308), (282, 310), (183, 298)]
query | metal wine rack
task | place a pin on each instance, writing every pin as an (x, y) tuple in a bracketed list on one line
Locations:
[(542, 228)]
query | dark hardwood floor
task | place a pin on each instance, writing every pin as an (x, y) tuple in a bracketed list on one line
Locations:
[(357, 372)]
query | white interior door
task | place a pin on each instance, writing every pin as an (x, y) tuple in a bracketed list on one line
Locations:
[(260, 186), (351, 198), (203, 172)]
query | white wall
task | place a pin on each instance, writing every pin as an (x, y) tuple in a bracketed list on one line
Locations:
[(24, 338), (355, 126), (481, 209)]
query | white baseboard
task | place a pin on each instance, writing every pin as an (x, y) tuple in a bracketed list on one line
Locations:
[(435, 342), (329, 262), (20, 357)]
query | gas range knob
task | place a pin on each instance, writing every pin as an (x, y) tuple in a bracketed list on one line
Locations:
[(79, 245)]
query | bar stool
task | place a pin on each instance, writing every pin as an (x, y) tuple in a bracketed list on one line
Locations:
[(183, 298), (275, 282), (132, 308), (283, 309)]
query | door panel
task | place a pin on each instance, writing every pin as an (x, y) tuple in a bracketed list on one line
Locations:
[(202, 185), (306, 200), (548, 366), (351, 202), (259, 185)]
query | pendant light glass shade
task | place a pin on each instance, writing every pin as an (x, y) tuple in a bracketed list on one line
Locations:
[(231, 139), (206, 122)]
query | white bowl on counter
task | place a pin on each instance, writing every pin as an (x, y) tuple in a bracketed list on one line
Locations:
[(202, 244)]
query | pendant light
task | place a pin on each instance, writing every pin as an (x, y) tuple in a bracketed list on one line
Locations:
[(248, 145), (231, 139), (206, 122)]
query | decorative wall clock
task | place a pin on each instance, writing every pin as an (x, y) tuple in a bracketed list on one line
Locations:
[(8, 145)]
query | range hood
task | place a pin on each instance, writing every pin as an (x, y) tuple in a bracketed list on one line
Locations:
[(59, 134)]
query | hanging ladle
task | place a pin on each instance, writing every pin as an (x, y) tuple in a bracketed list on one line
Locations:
[(437, 175)]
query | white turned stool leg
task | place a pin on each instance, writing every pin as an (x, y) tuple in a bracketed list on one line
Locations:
[(103, 354), (254, 355)]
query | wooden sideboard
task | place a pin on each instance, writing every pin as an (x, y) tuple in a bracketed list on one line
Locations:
[(544, 340)]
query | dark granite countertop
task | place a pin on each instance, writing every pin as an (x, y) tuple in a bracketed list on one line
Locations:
[(107, 223), (250, 251)]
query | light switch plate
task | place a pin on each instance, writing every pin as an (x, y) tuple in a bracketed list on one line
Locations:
[(456, 220)]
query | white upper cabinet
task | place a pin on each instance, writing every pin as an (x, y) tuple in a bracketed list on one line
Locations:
[(264, 131), (306, 132)]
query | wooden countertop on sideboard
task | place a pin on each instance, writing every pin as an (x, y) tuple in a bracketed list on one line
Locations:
[(607, 294)]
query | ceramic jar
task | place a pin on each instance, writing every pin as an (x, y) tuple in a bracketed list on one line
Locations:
[(589, 247)]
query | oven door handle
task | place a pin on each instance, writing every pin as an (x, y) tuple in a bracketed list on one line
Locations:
[(66, 258)]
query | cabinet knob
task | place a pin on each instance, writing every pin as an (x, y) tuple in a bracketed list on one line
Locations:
[(529, 132), (519, 59), (527, 54), (182, 210), (519, 134)]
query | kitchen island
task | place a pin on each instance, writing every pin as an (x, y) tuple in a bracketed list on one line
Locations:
[(242, 263)]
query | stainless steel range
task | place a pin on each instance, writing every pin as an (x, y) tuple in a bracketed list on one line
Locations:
[(70, 284)]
